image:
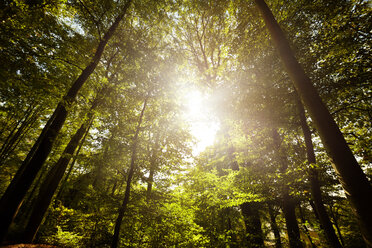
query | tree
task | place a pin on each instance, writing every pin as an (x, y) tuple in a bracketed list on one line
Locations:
[(351, 176), (257, 182), (123, 208), (51, 182), (314, 181), (12, 198)]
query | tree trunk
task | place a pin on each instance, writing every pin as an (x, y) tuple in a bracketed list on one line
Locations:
[(316, 192), (150, 181), (253, 229), (25, 210), (290, 219), (98, 170), (312, 204), (252, 222), (69, 171), (51, 182), (13, 197), (288, 204), (353, 180), (153, 161), (123, 208), (336, 225), (308, 234), (17, 133), (274, 226)]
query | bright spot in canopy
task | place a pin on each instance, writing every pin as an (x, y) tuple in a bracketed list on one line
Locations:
[(203, 121)]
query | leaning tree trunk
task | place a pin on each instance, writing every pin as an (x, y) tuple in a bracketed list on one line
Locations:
[(123, 208), (316, 192), (13, 196), (353, 180), (18, 132), (288, 204), (69, 171), (336, 225), (52, 180)]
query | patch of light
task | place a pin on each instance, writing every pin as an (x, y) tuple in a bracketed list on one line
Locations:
[(202, 120)]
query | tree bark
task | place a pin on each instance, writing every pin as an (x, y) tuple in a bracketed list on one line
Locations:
[(251, 215), (316, 192), (98, 170), (13, 197), (52, 180), (290, 219), (305, 227), (275, 228), (123, 208), (336, 225), (69, 171), (252, 222), (288, 204), (153, 161), (355, 183), (17, 133), (25, 210)]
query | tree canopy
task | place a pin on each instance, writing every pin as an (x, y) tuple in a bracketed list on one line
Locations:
[(186, 123)]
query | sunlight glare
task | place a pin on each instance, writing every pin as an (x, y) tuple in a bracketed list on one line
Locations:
[(203, 122)]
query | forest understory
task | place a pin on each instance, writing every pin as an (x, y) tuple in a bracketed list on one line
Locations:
[(185, 123)]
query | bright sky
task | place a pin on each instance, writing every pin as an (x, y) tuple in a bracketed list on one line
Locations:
[(203, 121)]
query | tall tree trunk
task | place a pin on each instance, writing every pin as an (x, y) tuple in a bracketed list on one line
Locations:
[(336, 225), (251, 216), (288, 204), (98, 170), (252, 222), (232, 239), (291, 223), (150, 181), (69, 171), (153, 161), (312, 204), (308, 234), (13, 197), (123, 208), (275, 228), (15, 126), (52, 180), (16, 134), (316, 192), (353, 180), (25, 210)]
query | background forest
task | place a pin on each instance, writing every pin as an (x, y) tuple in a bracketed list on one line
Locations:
[(186, 123)]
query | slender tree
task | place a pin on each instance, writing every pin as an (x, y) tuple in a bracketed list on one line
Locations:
[(316, 192), (18, 132), (13, 197), (274, 227), (153, 163), (249, 210), (288, 204), (355, 183), (52, 180), (123, 208)]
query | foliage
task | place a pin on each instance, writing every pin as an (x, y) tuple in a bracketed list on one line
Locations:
[(160, 51)]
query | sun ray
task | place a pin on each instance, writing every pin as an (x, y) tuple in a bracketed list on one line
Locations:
[(203, 121)]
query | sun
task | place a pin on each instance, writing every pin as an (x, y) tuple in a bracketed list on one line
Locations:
[(202, 119)]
